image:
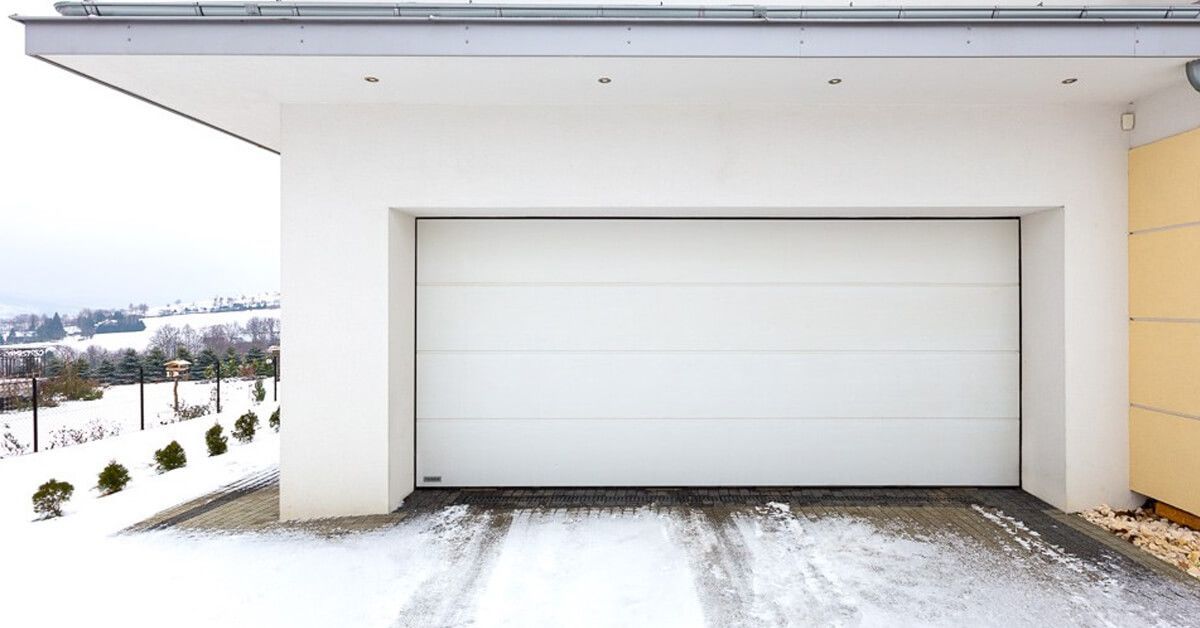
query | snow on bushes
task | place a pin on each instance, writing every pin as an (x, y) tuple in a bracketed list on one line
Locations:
[(258, 393), (187, 413), (170, 457), (49, 498), (95, 429), (274, 420), (9, 445), (113, 478), (245, 427), (215, 440)]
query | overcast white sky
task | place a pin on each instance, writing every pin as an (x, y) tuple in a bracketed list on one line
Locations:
[(105, 200)]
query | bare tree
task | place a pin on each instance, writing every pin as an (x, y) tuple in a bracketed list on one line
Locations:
[(167, 339), (220, 338), (263, 330), (190, 339)]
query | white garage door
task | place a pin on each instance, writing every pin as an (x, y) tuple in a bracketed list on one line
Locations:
[(717, 352)]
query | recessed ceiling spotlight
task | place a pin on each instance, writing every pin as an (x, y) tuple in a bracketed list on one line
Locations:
[(371, 79), (1068, 81), (604, 80), (835, 81)]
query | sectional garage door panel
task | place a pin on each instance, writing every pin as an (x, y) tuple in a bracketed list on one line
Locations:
[(607, 317), (701, 452), (706, 251), (718, 385), (717, 352)]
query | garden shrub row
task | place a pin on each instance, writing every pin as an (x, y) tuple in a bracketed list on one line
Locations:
[(50, 496)]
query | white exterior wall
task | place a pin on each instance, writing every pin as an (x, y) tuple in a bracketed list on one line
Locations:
[(1167, 112), (347, 170), (1043, 359)]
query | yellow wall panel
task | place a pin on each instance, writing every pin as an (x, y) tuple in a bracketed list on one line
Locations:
[(1164, 366), (1164, 274), (1164, 182), (1164, 462)]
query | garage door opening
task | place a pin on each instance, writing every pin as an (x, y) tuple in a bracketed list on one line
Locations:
[(714, 352)]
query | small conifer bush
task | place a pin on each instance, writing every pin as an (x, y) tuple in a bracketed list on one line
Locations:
[(258, 393), (112, 478), (274, 420), (49, 498), (245, 427), (170, 457), (216, 440)]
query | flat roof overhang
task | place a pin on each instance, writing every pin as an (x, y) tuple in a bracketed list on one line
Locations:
[(197, 58), (496, 30)]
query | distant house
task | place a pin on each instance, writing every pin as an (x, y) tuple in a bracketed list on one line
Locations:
[(114, 325), (575, 244)]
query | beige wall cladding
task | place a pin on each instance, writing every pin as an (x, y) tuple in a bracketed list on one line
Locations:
[(1164, 274), (1164, 355), (1164, 182), (1164, 460), (1164, 366)]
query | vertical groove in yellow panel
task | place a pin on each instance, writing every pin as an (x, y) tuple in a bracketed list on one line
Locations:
[(1164, 182), (1163, 462), (1164, 366), (1164, 274)]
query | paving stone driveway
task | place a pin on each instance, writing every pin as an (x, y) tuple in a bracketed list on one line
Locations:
[(775, 556)]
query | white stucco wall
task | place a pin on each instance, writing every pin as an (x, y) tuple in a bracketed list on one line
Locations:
[(1165, 113), (1043, 356), (351, 172)]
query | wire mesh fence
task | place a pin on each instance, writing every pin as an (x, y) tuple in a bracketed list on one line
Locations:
[(39, 412)]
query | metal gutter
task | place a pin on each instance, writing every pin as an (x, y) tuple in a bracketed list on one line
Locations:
[(629, 13)]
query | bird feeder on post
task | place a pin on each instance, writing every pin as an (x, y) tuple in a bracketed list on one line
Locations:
[(177, 370)]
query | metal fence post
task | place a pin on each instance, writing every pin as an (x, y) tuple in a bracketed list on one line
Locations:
[(142, 396), (35, 415)]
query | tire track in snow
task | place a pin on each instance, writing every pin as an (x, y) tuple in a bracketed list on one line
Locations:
[(470, 543), (761, 568), (721, 567), (795, 578)]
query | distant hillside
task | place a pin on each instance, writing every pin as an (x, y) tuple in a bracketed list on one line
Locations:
[(131, 326)]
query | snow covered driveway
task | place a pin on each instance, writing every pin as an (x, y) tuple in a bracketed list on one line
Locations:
[(772, 563), (459, 566), (763, 566)]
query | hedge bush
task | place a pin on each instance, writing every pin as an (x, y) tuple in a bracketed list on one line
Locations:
[(50, 497), (216, 441), (170, 457), (245, 427), (112, 478), (274, 420)]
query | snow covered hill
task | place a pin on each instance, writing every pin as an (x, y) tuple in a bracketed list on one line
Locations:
[(138, 340)]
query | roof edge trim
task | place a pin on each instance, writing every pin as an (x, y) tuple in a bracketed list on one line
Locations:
[(632, 13)]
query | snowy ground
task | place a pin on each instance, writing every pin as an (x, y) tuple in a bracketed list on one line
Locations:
[(459, 565), (119, 408)]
